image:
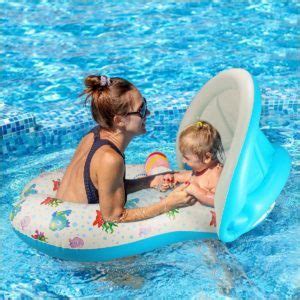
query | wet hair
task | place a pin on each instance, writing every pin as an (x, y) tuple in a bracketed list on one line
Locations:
[(200, 138), (108, 97)]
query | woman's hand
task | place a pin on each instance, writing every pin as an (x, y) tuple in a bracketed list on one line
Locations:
[(157, 181), (169, 178), (179, 198), (163, 182)]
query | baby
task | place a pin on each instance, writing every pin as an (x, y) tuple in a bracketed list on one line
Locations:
[(201, 148)]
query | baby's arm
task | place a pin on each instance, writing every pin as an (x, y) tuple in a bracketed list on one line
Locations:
[(171, 179), (203, 196), (182, 176)]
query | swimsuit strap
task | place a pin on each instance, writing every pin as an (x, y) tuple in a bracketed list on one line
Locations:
[(91, 191), (101, 142)]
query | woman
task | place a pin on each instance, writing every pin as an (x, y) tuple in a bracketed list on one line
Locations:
[(96, 173)]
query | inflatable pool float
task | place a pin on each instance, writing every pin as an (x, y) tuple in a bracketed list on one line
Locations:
[(254, 173), (77, 232), (255, 170)]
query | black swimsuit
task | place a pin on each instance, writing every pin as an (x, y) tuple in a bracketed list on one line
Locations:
[(91, 191)]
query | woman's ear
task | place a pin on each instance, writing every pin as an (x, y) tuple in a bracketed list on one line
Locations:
[(207, 157), (118, 121)]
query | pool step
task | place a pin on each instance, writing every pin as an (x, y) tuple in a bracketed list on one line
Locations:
[(14, 123), (23, 132)]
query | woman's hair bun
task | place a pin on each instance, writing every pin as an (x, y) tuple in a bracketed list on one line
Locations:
[(96, 81)]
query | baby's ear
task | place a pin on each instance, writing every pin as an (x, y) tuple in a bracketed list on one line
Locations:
[(207, 157)]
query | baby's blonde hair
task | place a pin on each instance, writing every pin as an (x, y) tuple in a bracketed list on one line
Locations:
[(200, 138)]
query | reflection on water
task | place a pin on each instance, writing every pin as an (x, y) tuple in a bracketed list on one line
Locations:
[(169, 50)]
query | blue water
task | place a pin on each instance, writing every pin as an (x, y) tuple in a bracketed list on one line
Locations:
[(169, 50)]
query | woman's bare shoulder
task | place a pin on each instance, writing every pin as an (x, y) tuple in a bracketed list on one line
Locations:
[(108, 165), (87, 139), (83, 146), (106, 156)]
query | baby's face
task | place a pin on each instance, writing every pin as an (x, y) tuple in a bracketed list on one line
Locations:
[(193, 161)]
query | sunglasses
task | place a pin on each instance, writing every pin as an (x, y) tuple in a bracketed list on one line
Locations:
[(142, 111)]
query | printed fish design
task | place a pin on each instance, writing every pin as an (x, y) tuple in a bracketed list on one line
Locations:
[(76, 242), (31, 190), (59, 220)]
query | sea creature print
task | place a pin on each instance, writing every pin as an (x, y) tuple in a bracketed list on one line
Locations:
[(76, 242), (145, 231), (59, 220), (16, 209), (172, 213), (25, 222), (99, 220), (54, 202), (39, 236), (108, 227), (56, 184), (213, 221), (30, 191), (132, 203)]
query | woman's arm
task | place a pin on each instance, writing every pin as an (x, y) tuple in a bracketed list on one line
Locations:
[(134, 185), (111, 188), (162, 179), (153, 181), (178, 198), (112, 194)]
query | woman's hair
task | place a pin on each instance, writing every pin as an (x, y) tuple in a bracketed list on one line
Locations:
[(109, 97), (200, 138)]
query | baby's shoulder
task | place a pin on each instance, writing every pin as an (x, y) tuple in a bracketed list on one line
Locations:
[(216, 172), (219, 168)]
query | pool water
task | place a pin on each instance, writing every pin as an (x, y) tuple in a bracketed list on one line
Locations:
[(168, 50)]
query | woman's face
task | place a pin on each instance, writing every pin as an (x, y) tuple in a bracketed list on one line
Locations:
[(136, 118)]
